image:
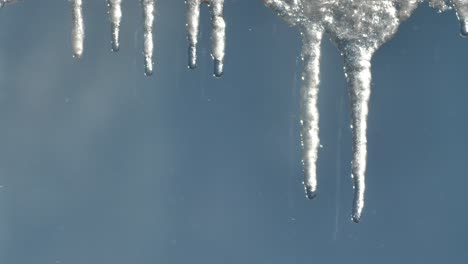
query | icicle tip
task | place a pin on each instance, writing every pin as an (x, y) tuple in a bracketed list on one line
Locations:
[(218, 68), (310, 193), (464, 28)]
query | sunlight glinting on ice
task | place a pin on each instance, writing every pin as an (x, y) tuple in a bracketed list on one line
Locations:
[(115, 15), (358, 29), (218, 36), (78, 30), (148, 14)]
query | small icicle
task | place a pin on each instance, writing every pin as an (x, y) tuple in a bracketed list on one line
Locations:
[(461, 7), (78, 31), (193, 24), (148, 13), (358, 75), (115, 15), (218, 36), (311, 38)]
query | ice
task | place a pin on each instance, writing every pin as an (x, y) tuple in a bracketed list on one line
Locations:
[(358, 29), (78, 30), (115, 15), (148, 14), (218, 36), (461, 7), (4, 2)]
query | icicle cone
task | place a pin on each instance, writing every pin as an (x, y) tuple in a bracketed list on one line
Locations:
[(358, 75), (461, 7), (310, 140), (148, 14), (218, 36), (115, 15), (78, 30)]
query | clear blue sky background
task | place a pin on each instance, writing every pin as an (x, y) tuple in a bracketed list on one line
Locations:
[(100, 164)]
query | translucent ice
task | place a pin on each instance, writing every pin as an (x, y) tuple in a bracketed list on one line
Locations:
[(148, 14), (218, 32), (115, 14), (78, 30), (358, 28)]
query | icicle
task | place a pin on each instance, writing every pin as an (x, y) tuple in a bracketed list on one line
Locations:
[(461, 6), (115, 14), (358, 75), (357, 28), (78, 31), (312, 38), (148, 13), (218, 33), (193, 23)]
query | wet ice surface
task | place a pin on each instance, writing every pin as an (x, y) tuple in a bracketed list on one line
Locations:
[(148, 15), (358, 29), (218, 32), (115, 15), (193, 21), (78, 30)]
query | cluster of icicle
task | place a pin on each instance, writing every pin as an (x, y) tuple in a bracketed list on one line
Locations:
[(357, 28), (193, 13)]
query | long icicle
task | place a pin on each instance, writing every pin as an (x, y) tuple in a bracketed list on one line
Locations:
[(312, 37), (115, 15), (148, 14), (78, 30), (358, 75)]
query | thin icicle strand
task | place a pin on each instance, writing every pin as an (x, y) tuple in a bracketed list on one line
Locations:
[(358, 74), (115, 15), (218, 36), (309, 110), (78, 30), (148, 13)]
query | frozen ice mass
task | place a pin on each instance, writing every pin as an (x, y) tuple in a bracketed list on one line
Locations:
[(356, 27)]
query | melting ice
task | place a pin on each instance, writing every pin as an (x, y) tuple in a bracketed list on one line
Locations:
[(193, 22), (115, 16), (217, 36), (357, 28)]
